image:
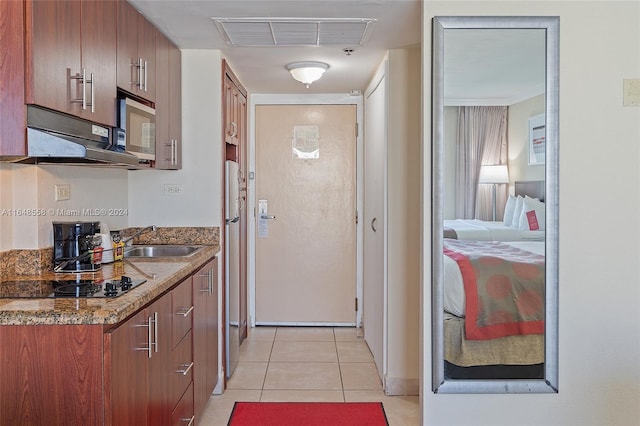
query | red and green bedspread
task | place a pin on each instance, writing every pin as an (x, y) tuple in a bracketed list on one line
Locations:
[(504, 288)]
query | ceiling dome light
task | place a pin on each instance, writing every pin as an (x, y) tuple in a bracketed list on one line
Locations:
[(307, 72)]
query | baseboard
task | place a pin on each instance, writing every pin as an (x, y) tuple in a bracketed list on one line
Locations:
[(395, 386)]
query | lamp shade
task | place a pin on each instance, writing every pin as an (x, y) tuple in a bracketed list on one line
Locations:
[(307, 72), (498, 173)]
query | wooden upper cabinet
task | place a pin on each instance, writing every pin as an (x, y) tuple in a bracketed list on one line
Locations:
[(99, 57), (70, 57), (53, 54), (12, 76), (168, 104), (136, 52), (175, 105), (230, 111)]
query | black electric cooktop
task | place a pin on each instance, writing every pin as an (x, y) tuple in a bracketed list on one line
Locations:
[(27, 289)]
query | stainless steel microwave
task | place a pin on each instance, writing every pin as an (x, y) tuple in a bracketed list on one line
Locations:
[(138, 129)]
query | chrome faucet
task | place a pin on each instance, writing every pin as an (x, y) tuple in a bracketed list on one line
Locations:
[(152, 228)]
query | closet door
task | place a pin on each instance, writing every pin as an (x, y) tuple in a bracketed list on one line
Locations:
[(374, 312)]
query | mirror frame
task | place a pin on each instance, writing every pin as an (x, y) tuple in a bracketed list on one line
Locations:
[(549, 384)]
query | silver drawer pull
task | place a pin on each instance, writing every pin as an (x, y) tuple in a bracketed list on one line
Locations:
[(149, 347), (185, 313), (189, 420), (185, 369)]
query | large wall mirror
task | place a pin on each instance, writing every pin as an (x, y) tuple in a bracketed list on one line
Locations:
[(495, 204)]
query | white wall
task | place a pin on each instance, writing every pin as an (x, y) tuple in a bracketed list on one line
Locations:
[(28, 199), (403, 218), (6, 195), (599, 306), (201, 173)]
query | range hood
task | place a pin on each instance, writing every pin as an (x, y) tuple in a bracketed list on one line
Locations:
[(57, 138)]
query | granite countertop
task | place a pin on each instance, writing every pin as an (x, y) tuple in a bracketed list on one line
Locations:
[(161, 274)]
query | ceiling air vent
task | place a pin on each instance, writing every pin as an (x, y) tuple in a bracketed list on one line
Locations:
[(294, 31)]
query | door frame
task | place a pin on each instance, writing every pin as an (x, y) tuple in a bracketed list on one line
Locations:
[(302, 99)]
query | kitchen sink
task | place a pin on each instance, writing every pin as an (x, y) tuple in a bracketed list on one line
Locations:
[(161, 250)]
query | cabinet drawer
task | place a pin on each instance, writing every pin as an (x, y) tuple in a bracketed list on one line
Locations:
[(183, 414), (182, 367), (182, 303)]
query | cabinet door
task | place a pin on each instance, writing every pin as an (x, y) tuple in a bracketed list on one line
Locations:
[(53, 54), (168, 104), (147, 51), (183, 413), (127, 355), (136, 54), (175, 105), (230, 112), (205, 334), (164, 144), (160, 368), (51, 374), (99, 58), (13, 78), (127, 72), (182, 368), (212, 331), (183, 311)]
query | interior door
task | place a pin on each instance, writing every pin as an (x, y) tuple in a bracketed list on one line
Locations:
[(306, 238), (374, 223)]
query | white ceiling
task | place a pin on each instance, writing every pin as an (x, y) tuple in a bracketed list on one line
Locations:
[(262, 69), (493, 66), (483, 67)]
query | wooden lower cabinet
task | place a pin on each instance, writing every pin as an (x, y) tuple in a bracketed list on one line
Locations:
[(158, 367), (51, 375), (126, 359), (205, 334), (170, 382), (183, 414), (137, 365)]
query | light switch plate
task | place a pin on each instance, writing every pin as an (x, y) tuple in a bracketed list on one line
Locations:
[(631, 92), (63, 192)]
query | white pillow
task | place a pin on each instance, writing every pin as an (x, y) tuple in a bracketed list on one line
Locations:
[(509, 209), (517, 211), (533, 215)]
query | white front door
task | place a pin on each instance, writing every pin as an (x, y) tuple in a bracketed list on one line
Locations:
[(306, 176)]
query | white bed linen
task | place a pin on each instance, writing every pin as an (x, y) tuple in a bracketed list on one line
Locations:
[(454, 299), (482, 230)]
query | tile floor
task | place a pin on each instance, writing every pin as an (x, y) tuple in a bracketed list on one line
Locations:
[(307, 364)]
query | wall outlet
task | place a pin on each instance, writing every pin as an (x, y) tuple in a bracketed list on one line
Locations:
[(173, 189), (63, 192)]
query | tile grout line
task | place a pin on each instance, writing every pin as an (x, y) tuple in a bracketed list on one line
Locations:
[(264, 379), (335, 342)]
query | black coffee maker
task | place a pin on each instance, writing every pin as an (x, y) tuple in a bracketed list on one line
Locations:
[(72, 246)]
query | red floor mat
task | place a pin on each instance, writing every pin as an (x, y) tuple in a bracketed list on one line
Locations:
[(308, 414)]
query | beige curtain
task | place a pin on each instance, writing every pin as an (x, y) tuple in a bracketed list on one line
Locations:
[(481, 139)]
